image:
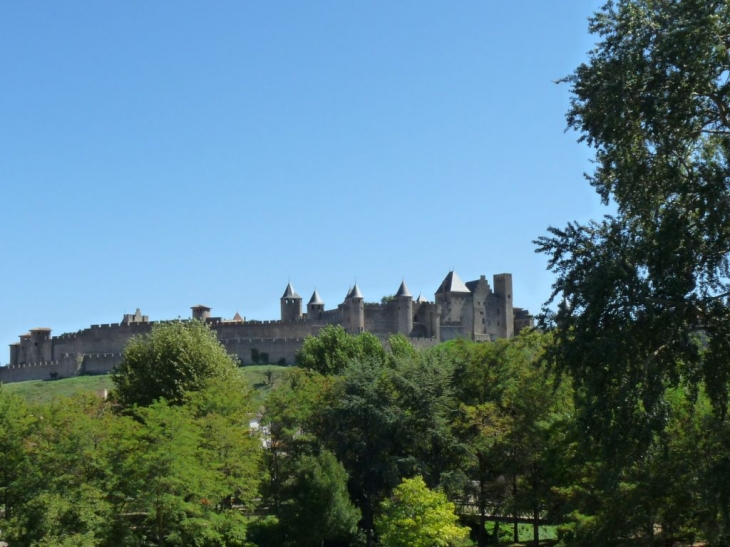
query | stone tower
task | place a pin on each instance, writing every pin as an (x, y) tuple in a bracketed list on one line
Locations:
[(405, 310), (354, 304), (36, 346), (315, 306), (503, 298), (291, 304), (457, 311), (481, 292), (201, 312)]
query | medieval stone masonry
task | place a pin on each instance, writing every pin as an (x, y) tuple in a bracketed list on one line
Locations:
[(473, 310)]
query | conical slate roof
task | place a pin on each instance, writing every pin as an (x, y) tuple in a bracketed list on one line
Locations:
[(315, 298), (354, 292), (403, 290), (420, 299), (290, 292), (237, 317), (452, 283)]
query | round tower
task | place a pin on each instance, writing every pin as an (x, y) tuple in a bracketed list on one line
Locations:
[(315, 307), (291, 304), (405, 310), (356, 306), (200, 312), (40, 345), (14, 353)]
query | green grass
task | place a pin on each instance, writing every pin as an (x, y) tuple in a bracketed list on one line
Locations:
[(258, 376), (524, 532), (43, 391)]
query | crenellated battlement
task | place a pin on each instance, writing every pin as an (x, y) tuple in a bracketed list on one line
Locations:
[(32, 365), (261, 341), (380, 305)]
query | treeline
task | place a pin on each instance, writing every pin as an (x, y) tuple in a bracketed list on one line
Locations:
[(171, 459)]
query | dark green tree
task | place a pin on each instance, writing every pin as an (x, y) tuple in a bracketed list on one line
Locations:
[(635, 290), (388, 420), (292, 413), (174, 358), (509, 408), (318, 506), (642, 296)]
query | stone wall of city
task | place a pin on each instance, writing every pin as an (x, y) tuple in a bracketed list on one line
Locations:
[(473, 310)]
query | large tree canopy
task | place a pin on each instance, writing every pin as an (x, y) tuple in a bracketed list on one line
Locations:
[(643, 296), (333, 348), (174, 358)]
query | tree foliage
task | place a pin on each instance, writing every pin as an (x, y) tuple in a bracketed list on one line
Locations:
[(331, 350), (389, 419), (509, 411), (643, 295), (174, 358), (74, 472), (318, 506), (415, 516)]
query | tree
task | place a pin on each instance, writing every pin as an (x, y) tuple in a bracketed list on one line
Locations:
[(180, 468), (386, 420), (66, 478), (333, 348), (643, 295), (418, 517), (16, 423), (291, 414), (400, 347), (317, 507), (174, 358), (509, 407)]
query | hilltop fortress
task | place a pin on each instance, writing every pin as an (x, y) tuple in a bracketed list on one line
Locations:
[(471, 310)]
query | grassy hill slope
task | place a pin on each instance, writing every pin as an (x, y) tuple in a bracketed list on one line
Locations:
[(40, 391)]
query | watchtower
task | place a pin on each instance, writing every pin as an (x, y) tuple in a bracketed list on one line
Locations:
[(503, 297), (405, 309), (457, 312), (200, 312), (315, 307), (291, 304), (354, 303), (39, 345)]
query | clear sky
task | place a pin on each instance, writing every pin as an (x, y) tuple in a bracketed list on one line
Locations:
[(158, 155)]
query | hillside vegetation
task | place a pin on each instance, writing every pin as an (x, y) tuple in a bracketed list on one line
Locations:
[(261, 378)]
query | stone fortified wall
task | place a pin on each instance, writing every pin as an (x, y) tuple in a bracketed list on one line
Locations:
[(472, 310)]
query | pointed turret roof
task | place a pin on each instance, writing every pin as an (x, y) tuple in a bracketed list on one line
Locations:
[(315, 298), (403, 290), (354, 292), (238, 317), (452, 283), (290, 292), (420, 299)]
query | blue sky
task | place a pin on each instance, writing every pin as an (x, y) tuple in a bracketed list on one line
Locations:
[(158, 155)]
